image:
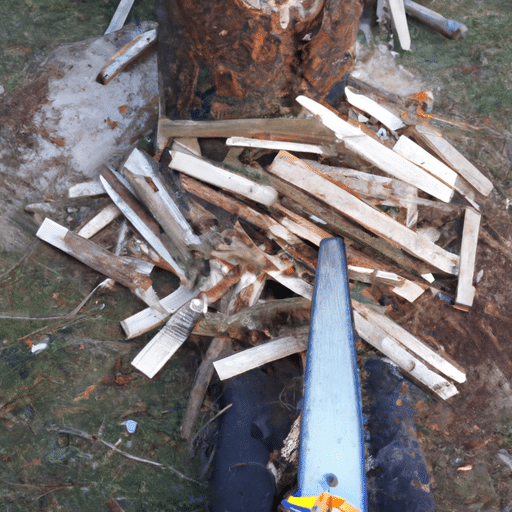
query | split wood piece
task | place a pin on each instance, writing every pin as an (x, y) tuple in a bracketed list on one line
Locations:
[(248, 291), (120, 16), (148, 319), (101, 218), (219, 346), (416, 154), (251, 358), (151, 359), (396, 192), (465, 289), (382, 114), (280, 145), (405, 288), (214, 293), (141, 221), (86, 189), (388, 99), (290, 168), (126, 56), (459, 163), (147, 191), (389, 191), (400, 21), (449, 28), (299, 226), (411, 343), (293, 283), (378, 154), (261, 317), (236, 207), (188, 144), (130, 272), (308, 131), (412, 366), (304, 204), (160, 202), (214, 175)]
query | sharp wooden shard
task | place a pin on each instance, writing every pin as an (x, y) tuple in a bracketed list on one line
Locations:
[(290, 168), (214, 175), (126, 55), (151, 359), (382, 114), (465, 289), (378, 154), (132, 273)]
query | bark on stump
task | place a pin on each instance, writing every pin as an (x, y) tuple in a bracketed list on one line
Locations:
[(260, 54)]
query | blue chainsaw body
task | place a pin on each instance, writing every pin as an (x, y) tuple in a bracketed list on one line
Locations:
[(331, 444)]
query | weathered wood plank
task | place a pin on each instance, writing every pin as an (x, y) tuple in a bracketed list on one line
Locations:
[(465, 289), (308, 131), (214, 175), (130, 272), (290, 168), (152, 358), (279, 145), (166, 211), (251, 358), (378, 154), (148, 319)]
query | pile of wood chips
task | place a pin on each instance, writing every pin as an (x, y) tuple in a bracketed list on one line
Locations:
[(286, 184)]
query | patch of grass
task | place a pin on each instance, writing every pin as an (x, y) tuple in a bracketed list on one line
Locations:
[(473, 74), (33, 28)]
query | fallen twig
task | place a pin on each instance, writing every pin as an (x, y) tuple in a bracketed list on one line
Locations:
[(85, 435)]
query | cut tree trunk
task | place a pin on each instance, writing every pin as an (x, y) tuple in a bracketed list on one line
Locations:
[(259, 54)]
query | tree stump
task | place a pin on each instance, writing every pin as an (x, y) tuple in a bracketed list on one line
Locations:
[(253, 57)]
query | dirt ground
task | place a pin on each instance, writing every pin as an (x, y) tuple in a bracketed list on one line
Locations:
[(83, 380)]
